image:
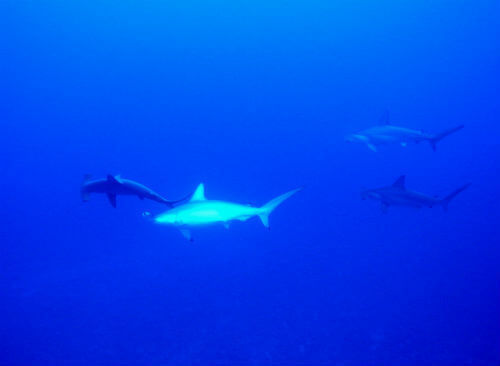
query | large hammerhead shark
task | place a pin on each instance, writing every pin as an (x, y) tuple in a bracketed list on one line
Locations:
[(199, 212), (386, 133), (397, 195)]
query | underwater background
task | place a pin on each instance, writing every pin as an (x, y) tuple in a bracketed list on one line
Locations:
[(253, 98)]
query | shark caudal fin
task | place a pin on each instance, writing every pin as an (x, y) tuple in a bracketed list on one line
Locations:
[(176, 202), (198, 195), (446, 201), (439, 136), (271, 205)]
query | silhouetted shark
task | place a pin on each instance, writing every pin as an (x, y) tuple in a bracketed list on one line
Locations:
[(389, 134), (397, 195), (115, 185), (200, 211)]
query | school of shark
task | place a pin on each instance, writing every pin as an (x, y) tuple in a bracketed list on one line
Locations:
[(196, 210)]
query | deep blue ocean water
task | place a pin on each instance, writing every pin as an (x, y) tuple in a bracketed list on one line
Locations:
[(253, 98)]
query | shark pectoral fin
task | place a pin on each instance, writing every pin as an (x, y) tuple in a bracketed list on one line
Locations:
[(264, 217), (112, 199), (187, 234), (372, 147)]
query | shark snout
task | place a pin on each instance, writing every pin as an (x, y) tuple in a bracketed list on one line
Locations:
[(354, 137), (349, 138), (147, 216), (365, 195)]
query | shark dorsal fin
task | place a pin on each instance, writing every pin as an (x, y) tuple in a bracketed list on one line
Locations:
[(400, 182), (115, 179), (199, 194), (384, 119)]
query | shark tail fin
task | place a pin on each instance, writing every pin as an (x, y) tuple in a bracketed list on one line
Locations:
[(176, 202), (446, 201), (269, 207), (439, 136)]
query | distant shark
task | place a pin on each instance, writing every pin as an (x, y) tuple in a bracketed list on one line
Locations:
[(116, 185), (386, 133), (200, 211), (397, 195)]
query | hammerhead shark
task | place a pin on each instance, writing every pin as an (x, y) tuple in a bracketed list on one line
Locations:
[(397, 195), (116, 185), (386, 133), (199, 211)]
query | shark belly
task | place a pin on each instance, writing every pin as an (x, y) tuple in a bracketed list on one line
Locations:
[(206, 213), (393, 134), (383, 139), (402, 201), (411, 199)]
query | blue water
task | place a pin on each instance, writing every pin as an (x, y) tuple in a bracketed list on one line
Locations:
[(253, 98)]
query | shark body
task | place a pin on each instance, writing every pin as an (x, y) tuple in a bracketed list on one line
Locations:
[(397, 195), (199, 212), (115, 185), (386, 133)]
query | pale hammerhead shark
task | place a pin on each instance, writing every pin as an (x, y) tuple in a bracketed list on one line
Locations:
[(199, 211), (397, 195), (116, 185)]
